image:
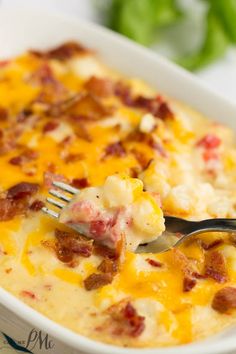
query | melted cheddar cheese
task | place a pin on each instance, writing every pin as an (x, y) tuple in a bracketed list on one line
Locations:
[(65, 116)]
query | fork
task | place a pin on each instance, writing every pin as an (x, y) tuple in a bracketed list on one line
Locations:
[(177, 230)]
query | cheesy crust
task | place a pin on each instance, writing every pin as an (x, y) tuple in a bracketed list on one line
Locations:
[(65, 116)]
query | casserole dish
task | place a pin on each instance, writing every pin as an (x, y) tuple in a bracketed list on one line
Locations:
[(39, 30)]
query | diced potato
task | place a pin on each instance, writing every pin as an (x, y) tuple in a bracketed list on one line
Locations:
[(147, 215), (120, 191)]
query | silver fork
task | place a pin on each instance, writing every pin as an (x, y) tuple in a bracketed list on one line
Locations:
[(177, 230)]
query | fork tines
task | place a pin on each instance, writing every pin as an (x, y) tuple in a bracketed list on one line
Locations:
[(61, 196)]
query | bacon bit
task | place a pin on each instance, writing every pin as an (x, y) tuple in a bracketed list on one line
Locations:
[(123, 92), (62, 52), (215, 267), (99, 87), (22, 190), (17, 200), (43, 75), (73, 158), (81, 132), (125, 319), (134, 172), (67, 141), (69, 245), (115, 149), (153, 105), (209, 141), (37, 205), (153, 262), (157, 146), (80, 182), (164, 111), (28, 294), (97, 280), (90, 108), (62, 106), (142, 159), (105, 251), (23, 115), (208, 246), (8, 209), (197, 275), (189, 284), (224, 300), (50, 126), (26, 156), (3, 114), (187, 269), (50, 177), (108, 266)]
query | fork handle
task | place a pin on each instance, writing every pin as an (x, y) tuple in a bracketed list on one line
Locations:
[(221, 225)]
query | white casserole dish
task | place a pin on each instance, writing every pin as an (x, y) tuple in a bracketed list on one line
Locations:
[(21, 29)]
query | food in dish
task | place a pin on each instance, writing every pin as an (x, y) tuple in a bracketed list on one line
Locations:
[(65, 116)]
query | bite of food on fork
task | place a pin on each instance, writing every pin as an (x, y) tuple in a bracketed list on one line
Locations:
[(119, 208)]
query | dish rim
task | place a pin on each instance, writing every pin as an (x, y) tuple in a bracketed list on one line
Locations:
[(77, 341)]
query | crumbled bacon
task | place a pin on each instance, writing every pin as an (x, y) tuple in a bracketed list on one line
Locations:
[(141, 158), (189, 283), (50, 126), (70, 158), (125, 320), (154, 106), (22, 190), (62, 52), (164, 111), (36, 205), (43, 75), (99, 86), (123, 92), (97, 280), (215, 266), (105, 251), (146, 139), (26, 156), (89, 108), (208, 246), (187, 268), (69, 245), (115, 149), (154, 263), (3, 114), (224, 300), (29, 294), (50, 177), (108, 266), (80, 182), (209, 141), (8, 209), (24, 115), (156, 146)]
